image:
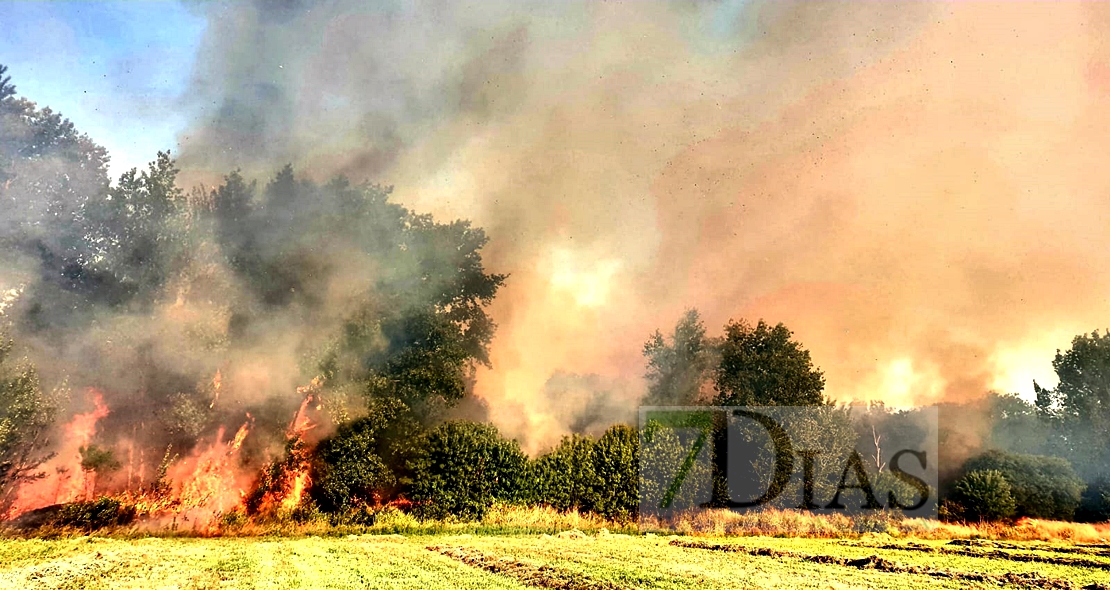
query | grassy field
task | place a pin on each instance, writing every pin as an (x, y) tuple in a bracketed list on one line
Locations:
[(569, 560)]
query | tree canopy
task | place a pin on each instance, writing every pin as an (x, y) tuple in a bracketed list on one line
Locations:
[(762, 365)]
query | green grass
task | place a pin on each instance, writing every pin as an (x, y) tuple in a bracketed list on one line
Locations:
[(391, 561)]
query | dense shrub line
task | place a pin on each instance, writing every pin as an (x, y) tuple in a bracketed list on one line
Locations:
[(460, 469)]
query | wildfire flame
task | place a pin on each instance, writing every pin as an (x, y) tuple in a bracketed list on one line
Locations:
[(198, 487), (65, 481), (292, 474)]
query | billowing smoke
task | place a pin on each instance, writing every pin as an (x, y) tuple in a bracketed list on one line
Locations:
[(914, 189)]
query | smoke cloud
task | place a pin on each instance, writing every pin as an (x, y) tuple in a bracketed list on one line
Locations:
[(915, 189)]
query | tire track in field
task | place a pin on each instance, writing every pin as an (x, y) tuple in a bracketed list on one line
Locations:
[(996, 554), (1078, 549), (874, 562), (529, 574)]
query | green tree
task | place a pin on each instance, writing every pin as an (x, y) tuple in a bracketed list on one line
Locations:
[(984, 496), (96, 462), (762, 366), (127, 230), (1016, 425), (676, 471), (1095, 504), (462, 468), (679, 369), (26, 414), (48, 173), (1079, 407)]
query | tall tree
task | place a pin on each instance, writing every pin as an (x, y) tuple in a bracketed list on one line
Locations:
[(1080, 405), (679, 369), (762, 365)]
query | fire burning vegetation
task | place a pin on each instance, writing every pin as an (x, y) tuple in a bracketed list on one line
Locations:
[(304, 350), (251, 335)]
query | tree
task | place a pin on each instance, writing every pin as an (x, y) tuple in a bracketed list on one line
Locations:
[(984, 496), (1095, 504), (1079, 406), (96, 462), (762, 366), (128, 236), (1016, 425), (678, 370), (25, 415), (462, 468)]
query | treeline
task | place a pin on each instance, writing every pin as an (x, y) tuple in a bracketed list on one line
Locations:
[(150, 293), (146, 291)]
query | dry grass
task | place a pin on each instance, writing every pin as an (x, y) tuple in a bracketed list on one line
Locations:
[(509, 519), (792, 523)]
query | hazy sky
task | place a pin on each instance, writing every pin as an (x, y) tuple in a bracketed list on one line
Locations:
[(116, 69)]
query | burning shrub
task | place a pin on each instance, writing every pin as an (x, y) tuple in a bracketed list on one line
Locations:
[(232, 520), (461, 468), (1043, 487), (280, 485), (984, 495)]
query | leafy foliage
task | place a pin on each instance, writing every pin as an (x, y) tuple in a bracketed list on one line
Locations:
[(461, 468), (96, 514), (616, 467), (679, 370), (762, 366), (599, 476), (347, 469), (564, 478), (1079, 407), (1094, 506), (984, 495), (1042, 487)]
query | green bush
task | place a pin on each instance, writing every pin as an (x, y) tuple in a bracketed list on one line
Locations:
[(1042, 487), (564, 478), (599, 476), (1095, 503), (346, 468), (616, 470), (662, 454), (461, 468), (96, 514), (984, 495)]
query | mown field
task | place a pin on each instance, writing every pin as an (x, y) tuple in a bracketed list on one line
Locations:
[(570, 560)]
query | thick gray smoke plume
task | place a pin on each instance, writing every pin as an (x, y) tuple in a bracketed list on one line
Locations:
[(912, 188)]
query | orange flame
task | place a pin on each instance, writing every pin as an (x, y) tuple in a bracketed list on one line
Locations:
[(64, 481), (294, 476)]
